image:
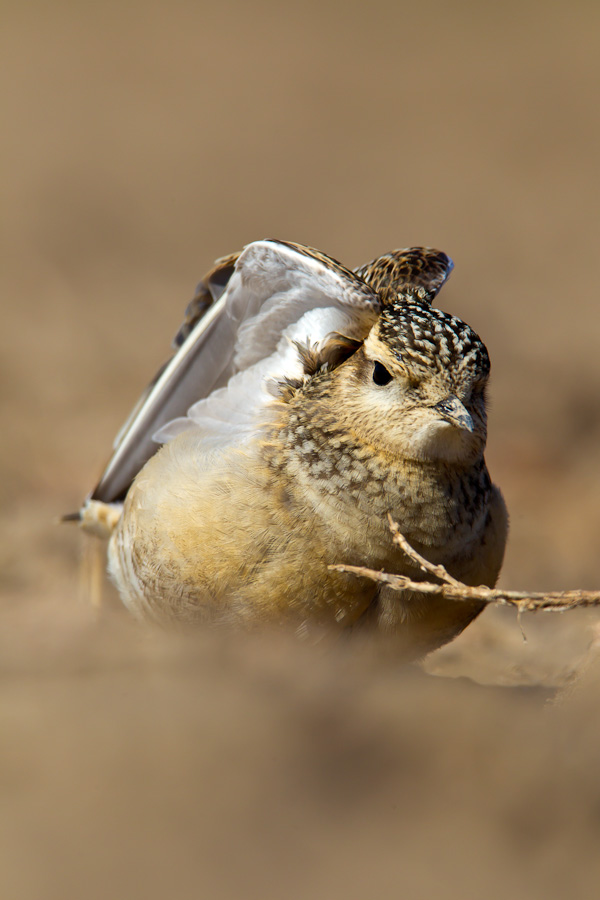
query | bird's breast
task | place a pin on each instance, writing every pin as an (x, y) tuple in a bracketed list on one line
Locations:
[(250, 533)]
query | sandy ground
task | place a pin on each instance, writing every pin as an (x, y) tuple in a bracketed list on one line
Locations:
[(141, 142)]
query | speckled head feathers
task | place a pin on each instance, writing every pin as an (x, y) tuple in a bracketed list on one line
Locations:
[(422, 336)]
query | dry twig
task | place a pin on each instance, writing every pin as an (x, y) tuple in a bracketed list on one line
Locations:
[(551, 601)]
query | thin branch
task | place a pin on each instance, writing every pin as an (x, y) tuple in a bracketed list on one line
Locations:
[(552, 601), (424, 564)]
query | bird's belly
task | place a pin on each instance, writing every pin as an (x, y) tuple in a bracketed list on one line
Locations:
[(238, 546), (221, 539), (261, 579)]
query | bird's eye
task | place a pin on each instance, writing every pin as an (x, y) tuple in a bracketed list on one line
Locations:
[(381, 375)]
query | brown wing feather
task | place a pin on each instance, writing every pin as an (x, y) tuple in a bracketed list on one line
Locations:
[(397, 272), (208, 291), (205, 344)]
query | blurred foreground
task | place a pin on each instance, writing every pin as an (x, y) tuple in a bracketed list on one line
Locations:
[(136, 764)]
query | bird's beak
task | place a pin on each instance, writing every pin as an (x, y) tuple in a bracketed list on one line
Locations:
[(454, 412)]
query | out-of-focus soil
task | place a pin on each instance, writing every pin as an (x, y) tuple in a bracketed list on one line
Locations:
[(142, 141)]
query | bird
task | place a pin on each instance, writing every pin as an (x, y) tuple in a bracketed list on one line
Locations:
[(305, 404)]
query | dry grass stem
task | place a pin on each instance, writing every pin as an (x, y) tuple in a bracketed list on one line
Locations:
[(551, 601)]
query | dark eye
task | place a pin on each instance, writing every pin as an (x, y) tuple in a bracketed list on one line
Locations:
[(381, 375)]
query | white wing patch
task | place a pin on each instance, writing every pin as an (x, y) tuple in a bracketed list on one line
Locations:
[(271, 290), (293, 284), (234, 413)]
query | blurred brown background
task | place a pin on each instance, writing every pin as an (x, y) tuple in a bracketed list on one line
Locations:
[(143, 140)]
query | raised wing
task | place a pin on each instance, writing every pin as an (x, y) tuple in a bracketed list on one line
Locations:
[(401, 271), (210, 289), (245, 315)]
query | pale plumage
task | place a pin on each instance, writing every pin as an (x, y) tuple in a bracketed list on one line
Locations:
[(230, 327), (303, 404)]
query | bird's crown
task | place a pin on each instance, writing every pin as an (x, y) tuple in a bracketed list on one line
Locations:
[(423, 337)]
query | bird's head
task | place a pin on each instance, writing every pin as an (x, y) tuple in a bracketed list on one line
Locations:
[(416, 386)]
